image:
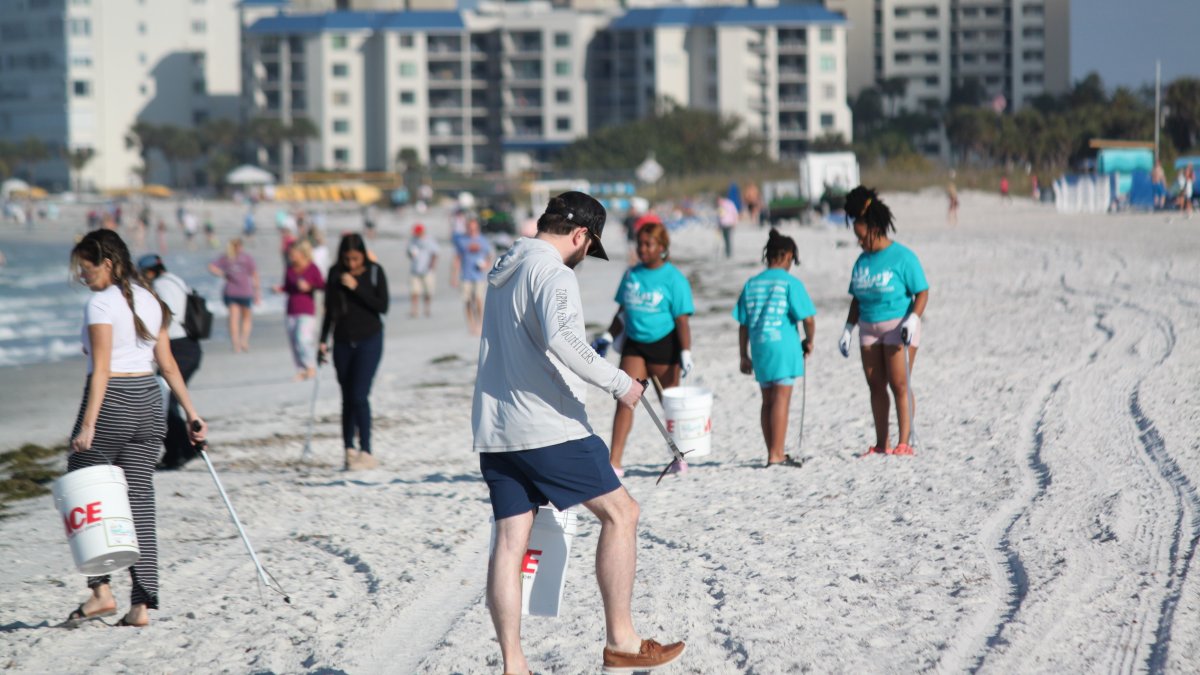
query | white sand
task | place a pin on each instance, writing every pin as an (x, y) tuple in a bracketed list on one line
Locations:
[(1047, 524)]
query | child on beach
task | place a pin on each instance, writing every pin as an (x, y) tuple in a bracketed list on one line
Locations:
[(655, 300), (890, 293), (241, 292), (301, 281), (771, 304)]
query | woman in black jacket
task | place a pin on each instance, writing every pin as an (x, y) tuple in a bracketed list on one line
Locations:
[(356, 298)]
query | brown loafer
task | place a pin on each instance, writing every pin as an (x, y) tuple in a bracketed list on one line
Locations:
[(652, 655)]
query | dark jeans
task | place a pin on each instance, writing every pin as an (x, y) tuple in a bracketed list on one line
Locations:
[(179, 449), (356, 363)]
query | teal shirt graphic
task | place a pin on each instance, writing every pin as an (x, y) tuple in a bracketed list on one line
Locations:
[(652, 299), (770, 306), (885, 283)]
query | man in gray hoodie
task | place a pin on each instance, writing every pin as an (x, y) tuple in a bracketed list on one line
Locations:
[(531, 429)]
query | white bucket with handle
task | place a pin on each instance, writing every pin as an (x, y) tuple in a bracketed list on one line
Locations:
[(688, 412), (544, 567), (94, 505)]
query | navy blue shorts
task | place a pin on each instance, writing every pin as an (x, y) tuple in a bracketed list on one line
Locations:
[(564, 475)]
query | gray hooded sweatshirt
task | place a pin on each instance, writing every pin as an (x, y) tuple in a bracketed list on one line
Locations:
[(534, 361)]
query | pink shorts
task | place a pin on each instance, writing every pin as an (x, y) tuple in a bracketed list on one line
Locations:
[(887, 332)]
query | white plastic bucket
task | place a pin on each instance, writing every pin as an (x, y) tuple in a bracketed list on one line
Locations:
[(94, 504), (544, 567), (689, 419)]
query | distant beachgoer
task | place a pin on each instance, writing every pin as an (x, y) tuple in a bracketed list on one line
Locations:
[(249, 226), (210, 232), (162, 236), (532, 434), (422, 254), (473, 257), (772, 303), (1036, 187), (301, 280), (1004, 195), (630, 224), (753, 199), (190, 227), (1187, 184), (655, 299), (1158, 186), (890, 294), (242, 291), (727, 219), (952, 198), (143, 226), (368, 222), (173, 291), (356, 298), (120, 418), (320, 251)]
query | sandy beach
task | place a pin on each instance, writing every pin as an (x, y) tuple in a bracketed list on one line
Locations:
[(1048, 523)]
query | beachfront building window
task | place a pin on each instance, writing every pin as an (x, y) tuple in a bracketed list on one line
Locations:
[(341, 155), (408, 69), (828, 64), (81, 88), (826, 35), (341, 70), (341, 126), (408, 97), (340, 41), (826, 120)]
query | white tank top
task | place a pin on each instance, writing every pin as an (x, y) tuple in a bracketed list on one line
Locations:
[(130, 354)]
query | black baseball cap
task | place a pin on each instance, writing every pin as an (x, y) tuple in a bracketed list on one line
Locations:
[(583, 210)]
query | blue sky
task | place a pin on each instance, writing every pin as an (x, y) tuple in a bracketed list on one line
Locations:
[(1120, 39)]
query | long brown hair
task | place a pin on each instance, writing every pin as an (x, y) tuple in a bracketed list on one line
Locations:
[(100, 245)]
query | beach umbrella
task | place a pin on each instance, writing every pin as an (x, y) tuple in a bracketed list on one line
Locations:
[(13, 185), (248, 174)]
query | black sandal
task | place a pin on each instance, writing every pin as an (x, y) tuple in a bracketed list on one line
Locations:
[(79, 617)]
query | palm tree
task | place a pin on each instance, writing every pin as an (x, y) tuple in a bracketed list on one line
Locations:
[(78, 159), (179, 145), (29, 152), (146, 137)]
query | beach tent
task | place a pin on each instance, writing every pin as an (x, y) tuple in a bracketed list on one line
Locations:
[(248, 174)]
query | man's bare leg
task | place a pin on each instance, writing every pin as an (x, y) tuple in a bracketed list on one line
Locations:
[(504, 587), (616, 562)]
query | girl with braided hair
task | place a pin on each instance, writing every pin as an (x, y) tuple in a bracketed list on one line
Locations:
[(890, 293), (772, 303), (121, 419)]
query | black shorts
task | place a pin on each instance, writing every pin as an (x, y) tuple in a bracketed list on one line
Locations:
[(664, 352)]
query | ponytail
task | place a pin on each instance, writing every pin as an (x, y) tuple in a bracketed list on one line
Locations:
[(864, 205), (779, 245)]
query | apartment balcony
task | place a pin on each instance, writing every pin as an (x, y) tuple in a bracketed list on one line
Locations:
[(793, 132), (792, 74), (446, 75), (793, 103), (792, 46), (758, 103), (758, 47), (757, 75), (440, 47)]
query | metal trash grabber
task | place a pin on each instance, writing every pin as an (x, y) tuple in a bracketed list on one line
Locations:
[(312, 414), (265, 578), (803, 404), (912, 408), (676, 453)]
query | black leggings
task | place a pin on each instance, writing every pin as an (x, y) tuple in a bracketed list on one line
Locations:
[(356, 363), (129, 434)]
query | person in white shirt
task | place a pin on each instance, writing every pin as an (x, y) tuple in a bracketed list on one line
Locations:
[(120, 420), (173, 291), (531, 427)]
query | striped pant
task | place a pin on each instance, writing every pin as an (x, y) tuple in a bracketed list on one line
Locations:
[(129, 434)]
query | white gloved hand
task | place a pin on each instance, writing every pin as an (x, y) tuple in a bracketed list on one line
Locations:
[(909, 327), (685, 363), (844, 342)]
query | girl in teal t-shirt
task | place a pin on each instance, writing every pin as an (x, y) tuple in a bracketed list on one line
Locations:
[(654, 301), (772, 303), (890, 293)]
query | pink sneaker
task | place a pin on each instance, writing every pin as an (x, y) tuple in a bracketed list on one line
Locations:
[(902, 449)]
